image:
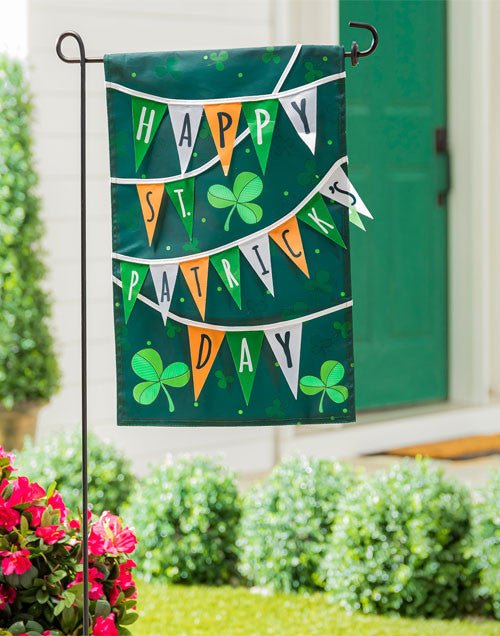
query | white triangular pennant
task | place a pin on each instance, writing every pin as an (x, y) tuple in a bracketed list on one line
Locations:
[(258, 255), (340, 189), (301, 110), (285, 343), (164, 277), (185, 123)]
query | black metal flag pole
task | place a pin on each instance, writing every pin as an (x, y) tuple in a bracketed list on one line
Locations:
[(83, 60)]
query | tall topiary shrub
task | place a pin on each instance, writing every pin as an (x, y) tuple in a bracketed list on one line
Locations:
[(400, 544), (28, 367), (287, 520)]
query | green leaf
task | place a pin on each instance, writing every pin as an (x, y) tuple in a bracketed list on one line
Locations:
[(337, 394), (311, 385), (146, 392), (247, 187), (129, 618), (102, 608), (147, 364), (331, 372), (249, 212), (220, 197), (176, 374)]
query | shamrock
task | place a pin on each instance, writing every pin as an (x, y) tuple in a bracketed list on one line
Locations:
[(219, 59), (168, 69), (345, 328), (312, 73), (331, 373), (224, 380), (320, 283), (148, 365), (275, 411), (172, 329), (192, 246), (271, 56), (247, 187)]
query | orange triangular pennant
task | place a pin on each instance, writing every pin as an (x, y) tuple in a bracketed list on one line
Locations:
[(223, 121), (204, 345), (287, 236), (150, 196), (196, 274)]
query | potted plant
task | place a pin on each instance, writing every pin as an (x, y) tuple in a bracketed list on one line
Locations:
[(29, 373)]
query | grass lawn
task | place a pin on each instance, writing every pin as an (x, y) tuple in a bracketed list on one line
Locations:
[(209, 611)]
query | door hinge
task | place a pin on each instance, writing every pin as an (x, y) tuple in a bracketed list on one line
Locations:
[(441, 148)]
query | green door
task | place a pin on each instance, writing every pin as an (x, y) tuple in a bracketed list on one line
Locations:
[(396, 100)]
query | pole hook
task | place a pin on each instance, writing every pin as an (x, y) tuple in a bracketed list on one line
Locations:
[(355, 53)]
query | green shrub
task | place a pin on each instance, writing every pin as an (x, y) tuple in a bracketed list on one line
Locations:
[(186, 516), (399, 544), (286, 521), (28, 367), (58, 459), (486, 546)]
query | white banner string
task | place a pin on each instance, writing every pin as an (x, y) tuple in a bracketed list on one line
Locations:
[(207, 325), (180, 259)]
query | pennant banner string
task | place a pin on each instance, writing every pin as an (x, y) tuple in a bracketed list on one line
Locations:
[(226, 100), (273, 325), (163, 261), (215, 159)]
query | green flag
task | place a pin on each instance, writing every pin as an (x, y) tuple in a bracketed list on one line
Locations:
[(146, 118), (181, 194), (261, 117), (227, 265), (133, 276), (245, 348), (355, 219), (317, 215)]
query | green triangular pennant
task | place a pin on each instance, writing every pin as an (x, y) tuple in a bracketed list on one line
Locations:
[(146, 118), (261, 117), (181, 194), (245, 348), (355, 219), (227, 265), (133, 276), (317, 215)]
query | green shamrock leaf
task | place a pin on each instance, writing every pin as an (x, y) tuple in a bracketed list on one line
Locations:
[(275, 411), (224, 380), (320, 283), (219, 59), (148, 365), (172, 329), (247, 187), (331, 373), (312, 73), (345, 328), (192, 246), (169, 68), (271, 56)]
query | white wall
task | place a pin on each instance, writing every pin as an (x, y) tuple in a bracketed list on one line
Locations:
[(107, 27)]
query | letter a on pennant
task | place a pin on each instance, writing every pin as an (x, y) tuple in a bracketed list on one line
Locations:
[(301, 110), (261, 117), (204, 345), (185, 122), (317, 215), (146, 119), (245, 349), (287, 236), (133, 276), (150, 196), (223, 121), (164, 277), (285, 343), (196, 274)]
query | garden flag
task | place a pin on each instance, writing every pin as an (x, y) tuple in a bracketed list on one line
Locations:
[(231, 208)]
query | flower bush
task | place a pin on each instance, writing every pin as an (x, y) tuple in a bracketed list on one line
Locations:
[(40, 563), (58, 459), (287, 520), (187, 522), (399, 544)]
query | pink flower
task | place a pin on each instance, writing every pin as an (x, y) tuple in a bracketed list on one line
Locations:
[(36, 513), (9, 518), (15, 562), (10, 456), (7, 595), (57, 503), (109, 536), (123, 581), (105, 626), (50, 534), (96, 590), (24, 491), (46, 632)]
